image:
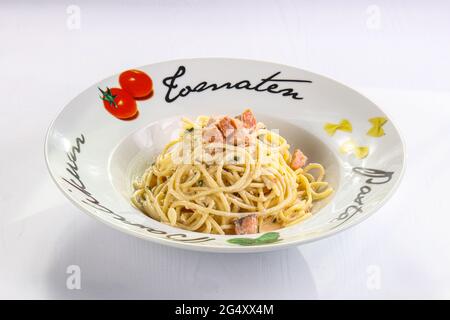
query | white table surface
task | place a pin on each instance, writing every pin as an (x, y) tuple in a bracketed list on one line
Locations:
[(395, 52)]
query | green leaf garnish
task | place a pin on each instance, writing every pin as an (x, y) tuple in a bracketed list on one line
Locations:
[(243, 241), (266, 238)]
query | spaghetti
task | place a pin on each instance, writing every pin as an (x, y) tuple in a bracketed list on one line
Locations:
[(229, 176)]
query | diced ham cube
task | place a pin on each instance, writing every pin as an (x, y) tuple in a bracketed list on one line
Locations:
[(248, 119), (246, 225), (298, 159), (227, 126), (234, 131)]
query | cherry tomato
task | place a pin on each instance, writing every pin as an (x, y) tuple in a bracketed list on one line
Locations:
[(136, 82), (119, 103)]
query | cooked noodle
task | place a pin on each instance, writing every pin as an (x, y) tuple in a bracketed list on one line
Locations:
[(210, 187)]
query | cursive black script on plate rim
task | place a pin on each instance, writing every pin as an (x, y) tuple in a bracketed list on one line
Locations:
[(375, 177), (268, 84)]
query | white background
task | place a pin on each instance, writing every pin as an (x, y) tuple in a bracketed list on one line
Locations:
[(395, 52)]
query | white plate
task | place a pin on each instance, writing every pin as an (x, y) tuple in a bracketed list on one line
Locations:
[(93, 156)]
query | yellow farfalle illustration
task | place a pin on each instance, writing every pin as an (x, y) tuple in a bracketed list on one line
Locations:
[(344, 125), (361, 152), (350, 146), (377, 127)]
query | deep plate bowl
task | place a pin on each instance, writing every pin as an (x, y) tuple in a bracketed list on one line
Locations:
[(93, 156)]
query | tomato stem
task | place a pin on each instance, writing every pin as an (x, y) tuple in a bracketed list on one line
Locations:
[(108, 97)]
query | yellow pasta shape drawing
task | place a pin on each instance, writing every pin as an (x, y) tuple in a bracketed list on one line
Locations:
[(361, 152), (377, 127), (344, 125), (350, 147)]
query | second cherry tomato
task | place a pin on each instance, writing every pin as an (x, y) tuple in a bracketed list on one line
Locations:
[(119, 103), (136, 82)]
